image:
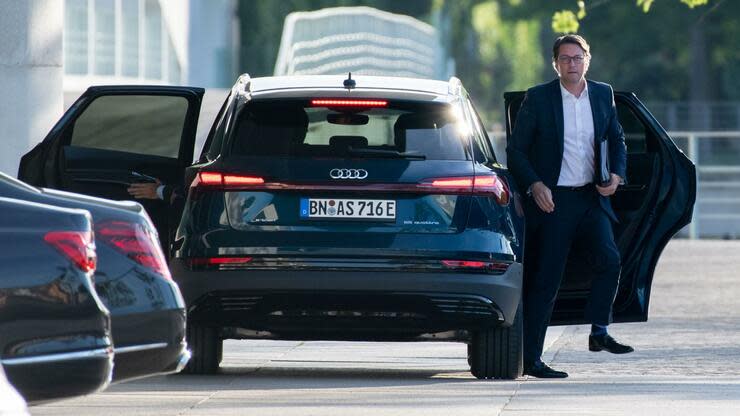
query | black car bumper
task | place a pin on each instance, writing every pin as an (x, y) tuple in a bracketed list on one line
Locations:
[(336, 304), (148, 344), (55, 376)]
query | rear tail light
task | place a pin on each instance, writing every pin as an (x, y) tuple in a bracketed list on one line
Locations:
[(78, 246), (222, 180), (137, 242), (217, 261), (478, 184), (494, 267)]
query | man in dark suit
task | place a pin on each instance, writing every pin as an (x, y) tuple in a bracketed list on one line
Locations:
[(556, 154)]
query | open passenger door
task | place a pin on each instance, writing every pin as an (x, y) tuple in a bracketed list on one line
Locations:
[(113, 136)]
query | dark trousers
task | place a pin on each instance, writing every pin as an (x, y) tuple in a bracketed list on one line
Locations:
[(580, 222)]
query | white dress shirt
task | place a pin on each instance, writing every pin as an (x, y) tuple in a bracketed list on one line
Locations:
[(577, 167)]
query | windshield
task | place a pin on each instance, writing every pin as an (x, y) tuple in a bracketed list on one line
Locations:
[(399, 130)]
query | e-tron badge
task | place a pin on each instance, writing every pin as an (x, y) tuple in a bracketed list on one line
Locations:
[(348, 173)]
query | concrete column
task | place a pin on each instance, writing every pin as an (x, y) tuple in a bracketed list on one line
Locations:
[(31, 75)]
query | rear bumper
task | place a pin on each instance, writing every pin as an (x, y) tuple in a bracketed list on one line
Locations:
[(60, 375), (352, 304), (148, 344)]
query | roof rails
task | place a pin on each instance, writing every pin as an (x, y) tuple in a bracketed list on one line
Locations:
[(455, 86)]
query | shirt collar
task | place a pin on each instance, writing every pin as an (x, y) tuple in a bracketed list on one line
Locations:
[(567, 95)]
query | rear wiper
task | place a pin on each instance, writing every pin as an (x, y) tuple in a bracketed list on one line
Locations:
[(391, 154)]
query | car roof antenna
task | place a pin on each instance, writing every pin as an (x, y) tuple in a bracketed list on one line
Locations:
[(349, 83)]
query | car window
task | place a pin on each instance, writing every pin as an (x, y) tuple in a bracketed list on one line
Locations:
[(483, 152), (634, 131), (296, 129), (143, 124)]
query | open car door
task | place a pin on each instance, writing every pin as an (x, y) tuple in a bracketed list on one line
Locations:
[(113, 136), (654, 204)]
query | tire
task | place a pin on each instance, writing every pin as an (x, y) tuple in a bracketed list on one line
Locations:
[(206, 348), (496, 353)]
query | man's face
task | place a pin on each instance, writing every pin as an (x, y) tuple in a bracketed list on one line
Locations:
[(572, 63)]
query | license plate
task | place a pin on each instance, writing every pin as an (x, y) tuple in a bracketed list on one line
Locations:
[(371, 209)]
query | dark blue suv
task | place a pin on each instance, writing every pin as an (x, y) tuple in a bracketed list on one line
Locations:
[(353, 209)]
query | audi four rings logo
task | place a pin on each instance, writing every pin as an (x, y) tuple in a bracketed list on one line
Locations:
[(348, 173)]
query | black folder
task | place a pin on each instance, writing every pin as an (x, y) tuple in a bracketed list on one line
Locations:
[(601, 169)]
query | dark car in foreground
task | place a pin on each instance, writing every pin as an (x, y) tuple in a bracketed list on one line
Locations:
[(131, 278), (55, 337), (371, 208)]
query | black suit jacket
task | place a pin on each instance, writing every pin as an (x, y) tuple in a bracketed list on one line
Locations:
[(535, 150)]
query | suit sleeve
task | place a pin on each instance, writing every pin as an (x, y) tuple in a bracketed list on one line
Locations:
[(617, 147), (518, 149)]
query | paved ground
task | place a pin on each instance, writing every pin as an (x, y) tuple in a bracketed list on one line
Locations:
[(687, 362)]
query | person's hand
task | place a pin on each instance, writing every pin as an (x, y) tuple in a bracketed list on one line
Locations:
[(147, 190), (611, 188), (542, 196)]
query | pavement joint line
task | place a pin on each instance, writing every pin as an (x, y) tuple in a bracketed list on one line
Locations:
[(569, 331), (560, 331)]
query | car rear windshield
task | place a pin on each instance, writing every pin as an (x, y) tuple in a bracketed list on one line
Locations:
[(407, 130)]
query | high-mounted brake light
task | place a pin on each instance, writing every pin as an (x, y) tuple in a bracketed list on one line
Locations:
[(348, 103), (135, 241), (78, 246)]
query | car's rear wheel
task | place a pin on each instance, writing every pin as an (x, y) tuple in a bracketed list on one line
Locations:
[(206, 347), (497, 352)]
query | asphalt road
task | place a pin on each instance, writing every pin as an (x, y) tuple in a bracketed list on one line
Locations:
[(687, 362)]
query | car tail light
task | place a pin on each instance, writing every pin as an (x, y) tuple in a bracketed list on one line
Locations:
[(78, 246), (478, 184), (220, 180), (495, 267), (217, 261), (137, 242), (348, 103)]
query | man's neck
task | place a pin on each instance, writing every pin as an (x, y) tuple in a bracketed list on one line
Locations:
[(574, 88)]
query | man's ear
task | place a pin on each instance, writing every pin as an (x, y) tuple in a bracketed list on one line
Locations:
[(555, 67)]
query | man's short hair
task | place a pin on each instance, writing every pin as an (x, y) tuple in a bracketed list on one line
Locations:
[(574, 39)]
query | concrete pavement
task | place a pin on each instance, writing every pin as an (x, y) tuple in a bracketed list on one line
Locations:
[(687, 362)]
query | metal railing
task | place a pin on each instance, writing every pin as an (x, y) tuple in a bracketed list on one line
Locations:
[(718, 182)]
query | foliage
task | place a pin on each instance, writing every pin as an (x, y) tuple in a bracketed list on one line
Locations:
[(503, 45), (566, 21)]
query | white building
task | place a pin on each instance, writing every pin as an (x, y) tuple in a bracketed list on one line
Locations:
[(52, 50)]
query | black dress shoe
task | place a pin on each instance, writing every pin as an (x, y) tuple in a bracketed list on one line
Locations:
[(541, 370), (607, 343)]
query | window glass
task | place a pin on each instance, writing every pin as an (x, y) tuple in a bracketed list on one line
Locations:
[(75, 37), (634, 131), (149, 125), (216, 135), (153, 40), (130, 38), (291, 129), (482, 150)]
